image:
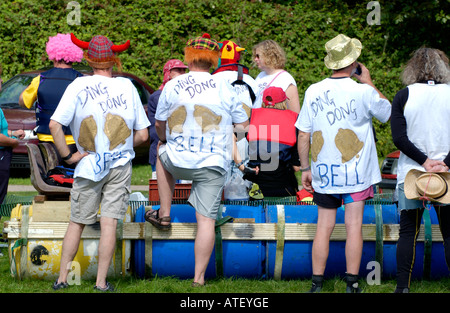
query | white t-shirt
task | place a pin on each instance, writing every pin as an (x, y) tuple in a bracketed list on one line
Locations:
[(199, 110), (283, 80), (241, 90), (338, 115), (111, 109), (428, 129)]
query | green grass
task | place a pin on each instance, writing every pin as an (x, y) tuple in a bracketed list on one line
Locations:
[(9, 284)]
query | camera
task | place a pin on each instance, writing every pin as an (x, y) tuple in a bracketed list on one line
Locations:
[(358, 70)]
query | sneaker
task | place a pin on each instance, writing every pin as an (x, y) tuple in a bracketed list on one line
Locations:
[(352, 284), (317, 281), (107, 288), (354, 288), (401, 290), (315, 288), (61, 285)]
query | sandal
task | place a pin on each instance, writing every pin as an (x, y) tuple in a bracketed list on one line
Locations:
[(152, 216), (255, 193), (107, 288)]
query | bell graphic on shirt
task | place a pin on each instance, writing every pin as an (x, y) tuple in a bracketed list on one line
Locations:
[(206, 118), (348, 144), (317, 144), (116, 130), (176, 120), (88, 131)]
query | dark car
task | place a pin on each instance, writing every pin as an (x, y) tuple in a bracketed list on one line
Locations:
[(20, 118), (389, 172)]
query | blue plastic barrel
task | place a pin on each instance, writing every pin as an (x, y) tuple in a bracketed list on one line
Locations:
[(254, 259), (241, 258), (297, 259)]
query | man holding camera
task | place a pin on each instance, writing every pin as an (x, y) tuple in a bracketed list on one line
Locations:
[(335, 124)]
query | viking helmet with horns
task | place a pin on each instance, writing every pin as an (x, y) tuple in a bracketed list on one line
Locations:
[(101, 52)]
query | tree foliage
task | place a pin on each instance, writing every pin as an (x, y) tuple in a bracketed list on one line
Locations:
[(159, 29)]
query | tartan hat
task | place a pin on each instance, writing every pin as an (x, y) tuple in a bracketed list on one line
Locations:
[(101, 52), (204, 43), (202, 49)]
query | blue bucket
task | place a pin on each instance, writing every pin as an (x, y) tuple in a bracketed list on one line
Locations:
[(241, 258)]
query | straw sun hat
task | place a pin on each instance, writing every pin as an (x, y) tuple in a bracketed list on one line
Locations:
[(427, 186), (342, 51)]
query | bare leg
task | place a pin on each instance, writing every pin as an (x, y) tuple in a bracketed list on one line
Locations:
[(354, 244), (204, 244), (106, 248), (321, 244), (70, 245), (166, 187)]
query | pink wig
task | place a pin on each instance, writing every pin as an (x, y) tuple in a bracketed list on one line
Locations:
[(61, 48)]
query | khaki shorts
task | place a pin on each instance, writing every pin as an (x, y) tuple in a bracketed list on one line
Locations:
[(111, 195), (207, 186)]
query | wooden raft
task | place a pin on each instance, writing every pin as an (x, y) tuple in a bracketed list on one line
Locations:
[(50, 220)]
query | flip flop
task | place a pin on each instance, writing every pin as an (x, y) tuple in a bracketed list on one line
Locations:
[(152, 216), (255, 192)]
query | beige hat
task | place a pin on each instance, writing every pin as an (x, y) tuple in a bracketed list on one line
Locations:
[(341, 52), (427, 186)]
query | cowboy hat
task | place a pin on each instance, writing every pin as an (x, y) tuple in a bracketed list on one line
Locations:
[(427, 186), (341, 52)]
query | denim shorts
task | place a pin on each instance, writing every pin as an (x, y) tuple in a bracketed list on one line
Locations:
[(408, 204), (109, 196)]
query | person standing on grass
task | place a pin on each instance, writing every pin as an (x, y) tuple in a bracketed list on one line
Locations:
[(194, 122), (420, 126), (335, 124), (8, 141), (107, 120)]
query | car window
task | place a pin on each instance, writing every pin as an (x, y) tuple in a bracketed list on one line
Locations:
[(141, 90), (11, 90)]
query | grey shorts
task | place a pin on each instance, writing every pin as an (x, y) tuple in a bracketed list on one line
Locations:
[(110, 195), (207, 186)]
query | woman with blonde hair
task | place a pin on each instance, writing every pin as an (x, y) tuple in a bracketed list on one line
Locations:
[(420, 130), (271, 60)]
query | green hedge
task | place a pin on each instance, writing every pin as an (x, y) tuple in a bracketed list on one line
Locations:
[(159, 29)]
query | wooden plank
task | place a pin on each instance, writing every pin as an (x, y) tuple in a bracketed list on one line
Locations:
[(24, 248), (51, 211), (230, 231)]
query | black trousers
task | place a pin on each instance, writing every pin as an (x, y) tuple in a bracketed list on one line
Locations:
[(5, 162), (409, 230)]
